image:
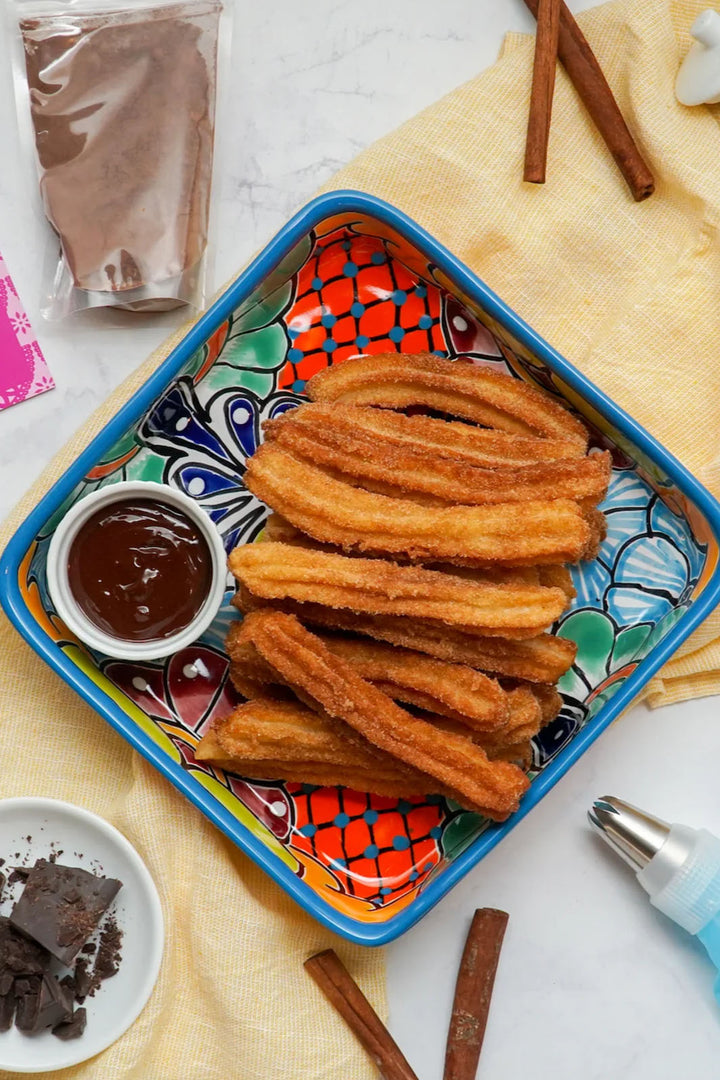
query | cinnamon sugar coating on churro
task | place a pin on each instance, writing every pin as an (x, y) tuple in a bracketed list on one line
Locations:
[(332, 511), (305, 663), (456, 388), (282, 571)]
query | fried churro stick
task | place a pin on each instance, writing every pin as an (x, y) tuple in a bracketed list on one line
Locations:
[(453, 690), (524, 722), (282, 571), (541, 659), (305, 663), (249, 674), (538, 531), (405, 471), (275, 740), (597, 524), (490, 710), (519, 754), (557, 577), (449, 439), (277, 528), (548, 699), (454, 387)]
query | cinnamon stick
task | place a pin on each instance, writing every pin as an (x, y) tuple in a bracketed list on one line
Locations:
[(345, 995), (586, 76), (473, 992), (543, 87)]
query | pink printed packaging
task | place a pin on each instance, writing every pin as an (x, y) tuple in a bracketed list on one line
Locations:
[(23, 371)]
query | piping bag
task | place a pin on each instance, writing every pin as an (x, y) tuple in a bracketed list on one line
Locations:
[(678, 867)]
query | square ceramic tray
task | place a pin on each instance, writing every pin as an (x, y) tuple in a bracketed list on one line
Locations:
[(350, 274)]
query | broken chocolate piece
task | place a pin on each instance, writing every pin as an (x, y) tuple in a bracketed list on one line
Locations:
[(73, 1028), (55, 1004), (7, 1009), (61, 906), (27, 992), (107, 962), (18, 955), (83, 980)]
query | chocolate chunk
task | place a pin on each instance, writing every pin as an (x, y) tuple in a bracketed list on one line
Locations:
[(61, 906), (18, 955), (18, 873), (108, 958), (6, 983), (27, 992), (7, 1010), (41, 1003), (89, 949), (56, 1005), (72, 1029), (83, 980)]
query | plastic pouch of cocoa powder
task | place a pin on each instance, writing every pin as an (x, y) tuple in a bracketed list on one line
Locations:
[(122, 104)]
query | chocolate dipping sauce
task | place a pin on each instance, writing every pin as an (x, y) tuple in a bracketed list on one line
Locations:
[(140, 570)]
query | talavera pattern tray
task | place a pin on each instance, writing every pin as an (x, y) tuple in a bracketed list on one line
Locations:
[(350, 275)]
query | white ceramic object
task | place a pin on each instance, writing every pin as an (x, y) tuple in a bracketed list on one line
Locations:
[(698, 80), (75, 618), (29, 826)]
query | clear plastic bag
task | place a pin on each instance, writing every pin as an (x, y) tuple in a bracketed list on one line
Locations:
[(122, 103)]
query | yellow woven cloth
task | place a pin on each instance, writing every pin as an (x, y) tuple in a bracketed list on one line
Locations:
[(630, 294)]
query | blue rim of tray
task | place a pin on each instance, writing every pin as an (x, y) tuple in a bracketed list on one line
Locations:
[(325, 206)]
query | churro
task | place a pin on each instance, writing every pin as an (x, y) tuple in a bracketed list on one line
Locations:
[(273, 740), (537, 531), (478, 704), (304, 663), (428, 552), (407, 470), (456, 388), (557, 576), (454, 440), (541, 659), (277, 571), (453, 690)]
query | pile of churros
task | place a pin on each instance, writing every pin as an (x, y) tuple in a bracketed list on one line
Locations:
[(397, 607)]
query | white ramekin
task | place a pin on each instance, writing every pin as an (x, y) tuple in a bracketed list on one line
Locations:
[(70, 611)]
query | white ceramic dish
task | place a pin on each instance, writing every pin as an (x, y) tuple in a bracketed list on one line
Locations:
[(71, 613), (29, 827)]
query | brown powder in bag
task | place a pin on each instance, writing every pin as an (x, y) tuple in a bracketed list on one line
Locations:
[(123, 109)]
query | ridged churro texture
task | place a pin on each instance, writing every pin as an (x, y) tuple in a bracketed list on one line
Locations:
[(458, 388), (277, 571), (427, 553), (303, 662), (415, 468), (334, 511)]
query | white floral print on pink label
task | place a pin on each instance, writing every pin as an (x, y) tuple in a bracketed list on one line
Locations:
[(23, 371)]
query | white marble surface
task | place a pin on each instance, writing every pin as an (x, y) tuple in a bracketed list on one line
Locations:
[(593, 984)]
